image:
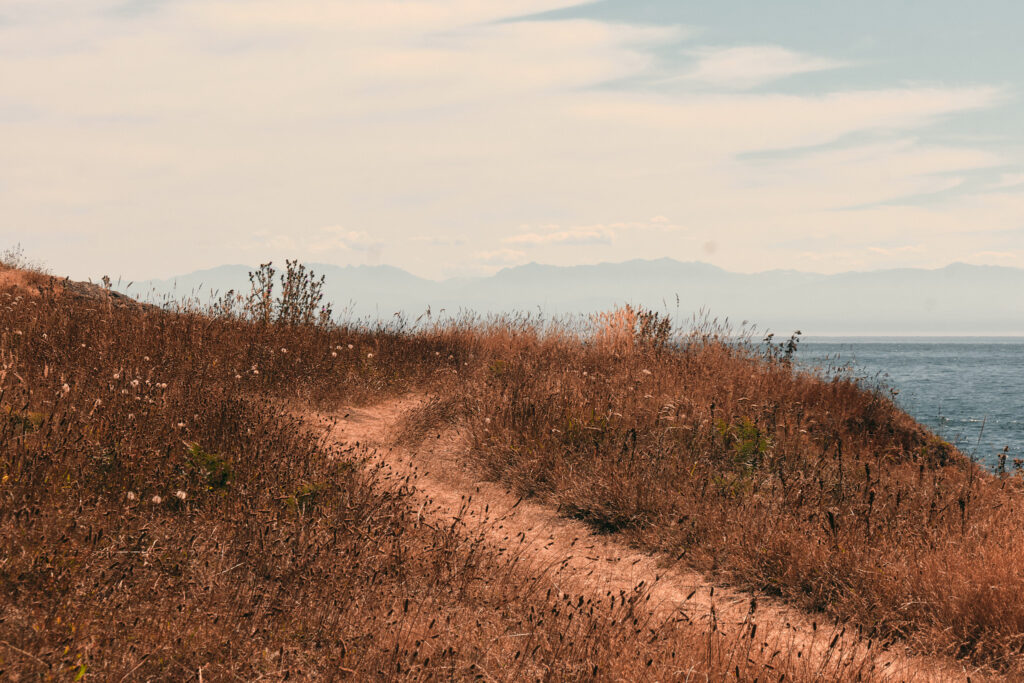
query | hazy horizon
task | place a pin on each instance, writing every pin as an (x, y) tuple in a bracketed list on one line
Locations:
[(952, 301), (314, 264)]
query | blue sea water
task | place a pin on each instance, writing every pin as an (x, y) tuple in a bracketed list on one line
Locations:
[(969, 391)]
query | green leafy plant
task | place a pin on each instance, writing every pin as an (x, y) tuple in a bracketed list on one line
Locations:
[(216, 469), (26, 420), (747, 443), (305, 497)]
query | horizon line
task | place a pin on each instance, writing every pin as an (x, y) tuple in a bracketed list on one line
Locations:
[(314, 264)]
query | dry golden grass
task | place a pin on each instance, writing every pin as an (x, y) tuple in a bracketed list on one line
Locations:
[(161, 518), (728, 458)]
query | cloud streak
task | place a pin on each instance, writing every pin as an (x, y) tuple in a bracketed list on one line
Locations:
[(500, 257), (573, 236), (753, 65), (191, 127), (588, 234)]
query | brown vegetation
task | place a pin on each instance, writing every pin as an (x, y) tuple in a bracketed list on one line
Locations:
[(727, 457), (162, 514), (161, 517), (17, 272)]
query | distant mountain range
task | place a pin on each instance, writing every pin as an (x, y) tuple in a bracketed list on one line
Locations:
[(959, 299)]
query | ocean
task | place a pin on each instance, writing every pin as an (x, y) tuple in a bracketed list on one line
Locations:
[(968, 390)]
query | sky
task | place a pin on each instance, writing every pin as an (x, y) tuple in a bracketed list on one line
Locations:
[(148, 138)]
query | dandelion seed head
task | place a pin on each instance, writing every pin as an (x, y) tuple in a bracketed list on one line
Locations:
[(156, 500), (180, 495), (334, 354), (369, 355), (132, 496)]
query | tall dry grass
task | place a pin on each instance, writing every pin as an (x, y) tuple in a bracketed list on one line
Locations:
[(163, 518), (723, 455)]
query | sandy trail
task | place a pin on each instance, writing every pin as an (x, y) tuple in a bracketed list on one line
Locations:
[(582, 562)]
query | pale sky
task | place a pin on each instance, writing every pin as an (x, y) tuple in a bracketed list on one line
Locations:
[(147, 138)]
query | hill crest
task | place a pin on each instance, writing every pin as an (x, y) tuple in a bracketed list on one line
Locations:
[(957, 299)]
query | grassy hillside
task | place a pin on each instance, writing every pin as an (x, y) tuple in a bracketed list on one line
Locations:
[(163, 516), (727, 457), (163, 512)]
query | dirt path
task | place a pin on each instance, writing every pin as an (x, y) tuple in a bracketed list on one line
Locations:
[(582, 562)]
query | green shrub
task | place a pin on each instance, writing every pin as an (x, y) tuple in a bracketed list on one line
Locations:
[(216, 469)]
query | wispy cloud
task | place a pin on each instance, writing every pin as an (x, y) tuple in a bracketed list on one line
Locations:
[(753, 65), (500, 257), (587, 234), (1009, 180), (1000, 256), (330, 241), (897, 251), (436, 117), (573, 236), (334, 237), (438, 240)]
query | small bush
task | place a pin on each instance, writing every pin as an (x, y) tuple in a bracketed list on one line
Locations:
[(215, 469), (300, 302)]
